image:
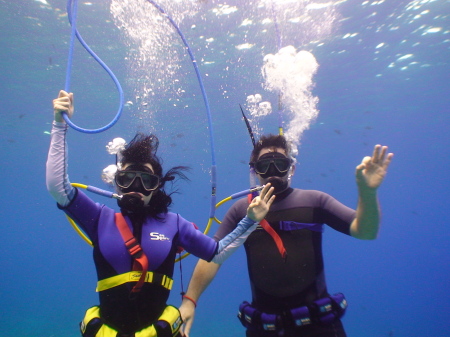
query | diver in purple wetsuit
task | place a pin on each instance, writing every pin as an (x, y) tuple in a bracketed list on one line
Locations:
[(284, 253), (134, 250)]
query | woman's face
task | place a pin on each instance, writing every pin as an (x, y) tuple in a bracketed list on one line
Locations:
[(137, 187)]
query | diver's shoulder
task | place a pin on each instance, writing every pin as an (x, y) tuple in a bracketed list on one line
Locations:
[(302, 192)]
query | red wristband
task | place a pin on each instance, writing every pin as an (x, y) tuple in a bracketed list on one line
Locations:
[(190, 299)]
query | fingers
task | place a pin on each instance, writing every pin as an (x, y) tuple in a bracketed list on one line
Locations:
[(388, 159), (270, 201), (266, 192), (187, 327), (376, 153), (265, 197), (380, 155), (62, 93), (62, 103)]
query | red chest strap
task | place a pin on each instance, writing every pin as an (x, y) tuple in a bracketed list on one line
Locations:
[(140, 262), (266, 226)]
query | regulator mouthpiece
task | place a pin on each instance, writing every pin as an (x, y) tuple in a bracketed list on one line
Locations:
[(131, 202)]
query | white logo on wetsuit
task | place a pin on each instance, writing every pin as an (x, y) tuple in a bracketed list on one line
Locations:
[(158, 237)]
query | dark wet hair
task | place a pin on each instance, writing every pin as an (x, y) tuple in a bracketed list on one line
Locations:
[(268, 141), (142, 149)]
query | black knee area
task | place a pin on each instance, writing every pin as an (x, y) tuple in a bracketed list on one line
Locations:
[(92, 327), (163, 329)]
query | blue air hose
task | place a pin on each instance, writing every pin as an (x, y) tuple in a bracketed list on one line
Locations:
[(72, 15), (208, 111)]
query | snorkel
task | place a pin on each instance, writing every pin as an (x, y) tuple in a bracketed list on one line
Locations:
[(253, 178)]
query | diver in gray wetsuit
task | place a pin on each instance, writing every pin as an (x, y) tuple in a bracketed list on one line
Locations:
[(284, 255)]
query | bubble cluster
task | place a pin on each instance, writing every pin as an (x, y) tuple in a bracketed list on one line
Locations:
[(155, 50), (258, 108), (290, 73)]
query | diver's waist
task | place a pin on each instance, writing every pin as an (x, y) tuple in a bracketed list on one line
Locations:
[(134, 276), (322, 311), (167, 325)]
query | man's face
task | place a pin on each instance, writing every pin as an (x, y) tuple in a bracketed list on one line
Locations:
[(274, 167)]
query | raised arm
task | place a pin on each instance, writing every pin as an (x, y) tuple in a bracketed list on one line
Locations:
[(369, 176), (56, 169)]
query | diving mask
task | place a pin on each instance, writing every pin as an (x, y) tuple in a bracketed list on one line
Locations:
[(124, 179), (272, 164)]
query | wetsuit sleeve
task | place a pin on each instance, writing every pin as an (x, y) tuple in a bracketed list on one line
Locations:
[(231, 244), (85, 212), (194, 241), (74, 203), (335, 214), (236, 212), (201, 245), (57, 179), (240, 229)]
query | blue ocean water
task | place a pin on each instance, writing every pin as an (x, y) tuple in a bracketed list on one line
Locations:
[(383, 77)]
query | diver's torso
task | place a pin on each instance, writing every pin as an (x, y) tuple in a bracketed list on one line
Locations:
[(157, 239), (278, 284), (120, 309)]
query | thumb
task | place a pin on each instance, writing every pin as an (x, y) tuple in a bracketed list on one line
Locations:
[(359, 170), (363, 165)]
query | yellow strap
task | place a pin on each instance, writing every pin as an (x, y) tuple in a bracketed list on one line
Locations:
[(132, 276), (171, 315)]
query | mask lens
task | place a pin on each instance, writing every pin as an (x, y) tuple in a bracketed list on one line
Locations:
[(124, 179), (150, 181), (261, 166), (282, 164)]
